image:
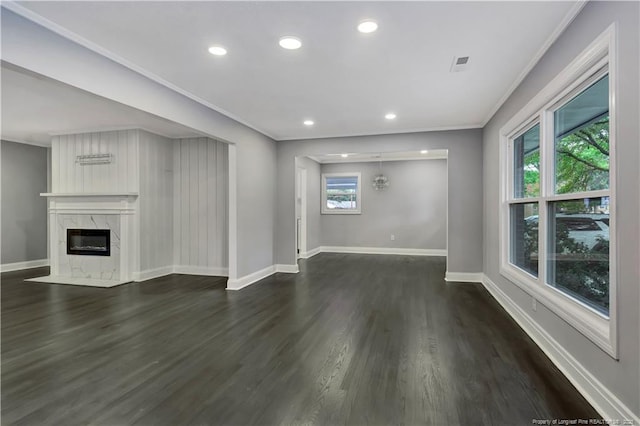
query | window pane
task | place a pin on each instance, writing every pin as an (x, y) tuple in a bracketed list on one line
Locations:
[(342, 192), (526, 170), (582, 141), (579, 250), (524, 236)]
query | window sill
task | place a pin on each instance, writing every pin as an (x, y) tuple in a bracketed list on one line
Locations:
[(340, 212), (585, 320)]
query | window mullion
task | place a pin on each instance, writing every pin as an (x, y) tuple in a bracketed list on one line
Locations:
[(547, 177)]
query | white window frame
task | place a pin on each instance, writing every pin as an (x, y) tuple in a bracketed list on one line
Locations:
[(323, 200), (583, 71)]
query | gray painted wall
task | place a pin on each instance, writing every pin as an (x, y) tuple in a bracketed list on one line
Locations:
[(621, 377), (256, 204), (24, 211), (413, 208), (313, 201), (464, 175)]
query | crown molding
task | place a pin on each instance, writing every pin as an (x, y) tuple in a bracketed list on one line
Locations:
[(568, 19)]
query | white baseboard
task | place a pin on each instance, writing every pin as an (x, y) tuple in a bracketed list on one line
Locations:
[(252, 278), (464, 277), (247, 280), (17, 266), (384, 250), (310, 253), (201, 270), (287, 269), (150, 274), (601, 398)]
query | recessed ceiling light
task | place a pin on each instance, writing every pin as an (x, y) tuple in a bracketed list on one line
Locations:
[(217, 50), (424, 151), (390, 116), (290, 43), (308, 122), (344, 155), (367, 26)]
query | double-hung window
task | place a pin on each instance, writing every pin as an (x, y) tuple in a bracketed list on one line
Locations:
[(341, 193), (558, 204)]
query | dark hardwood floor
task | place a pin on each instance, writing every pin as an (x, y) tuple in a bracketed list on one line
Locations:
[(352, 339)]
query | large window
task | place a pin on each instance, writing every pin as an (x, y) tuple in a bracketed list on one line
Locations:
[(558, 201), (341, 193)]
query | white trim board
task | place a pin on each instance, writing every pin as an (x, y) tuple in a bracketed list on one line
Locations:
[(601, 398), (149, 274), (463, 277), (287, 269), (18, 266), (310, 253), (254, 277), (247, 280), (383, 250), (216, 271)]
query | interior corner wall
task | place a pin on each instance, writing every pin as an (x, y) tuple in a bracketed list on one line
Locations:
[(413, 208), (24, 212), (155, 201), (200, 230), (464, 186), (314, 232), (622, 377)]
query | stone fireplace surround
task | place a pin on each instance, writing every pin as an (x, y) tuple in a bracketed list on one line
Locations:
[(114, 211)]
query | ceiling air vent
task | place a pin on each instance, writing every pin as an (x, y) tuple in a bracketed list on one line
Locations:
[(460, 63)]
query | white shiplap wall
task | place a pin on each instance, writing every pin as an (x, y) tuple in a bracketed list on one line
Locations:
[(121, 175), (200, 205), (156, 202)]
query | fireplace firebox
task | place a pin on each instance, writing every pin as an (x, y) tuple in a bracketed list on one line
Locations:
[(89, 242)]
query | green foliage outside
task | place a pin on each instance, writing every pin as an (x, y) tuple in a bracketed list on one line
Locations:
[(582, 164), (582, 159), (583, 271)]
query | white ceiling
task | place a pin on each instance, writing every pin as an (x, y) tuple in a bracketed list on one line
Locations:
[(34, 108), (344, 80)]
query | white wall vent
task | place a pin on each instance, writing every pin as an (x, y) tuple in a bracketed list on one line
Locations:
[(460, 63)]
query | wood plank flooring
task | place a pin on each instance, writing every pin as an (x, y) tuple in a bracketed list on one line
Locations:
[(351, 339)]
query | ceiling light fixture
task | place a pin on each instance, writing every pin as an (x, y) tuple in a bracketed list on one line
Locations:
[(380, 181), (217, 50), (290, 43), (308, 122), (424, 151), (390, 116), (367, 26), (344, 155)]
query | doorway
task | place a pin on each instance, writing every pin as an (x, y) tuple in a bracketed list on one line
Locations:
[(301, 212)]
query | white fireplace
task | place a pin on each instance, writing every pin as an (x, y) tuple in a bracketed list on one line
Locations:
[(113, 214)]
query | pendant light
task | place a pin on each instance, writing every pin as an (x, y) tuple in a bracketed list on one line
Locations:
[(380, 181)]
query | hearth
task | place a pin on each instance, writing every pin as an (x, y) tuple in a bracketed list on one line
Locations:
[(89, 242)]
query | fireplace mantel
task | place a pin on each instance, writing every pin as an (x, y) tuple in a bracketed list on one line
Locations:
[(116, 211), (89, 194)]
